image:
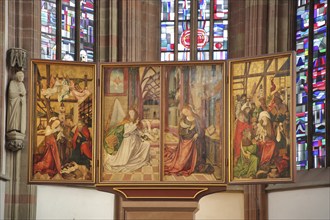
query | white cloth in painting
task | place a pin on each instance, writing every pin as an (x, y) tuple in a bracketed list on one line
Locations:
[(65, 91), (132, 154), (52, 90), (118, 113), (80, 96)]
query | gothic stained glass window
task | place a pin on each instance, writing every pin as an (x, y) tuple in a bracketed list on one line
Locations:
[(311, 66), (67, 30), (167, 30), (48, 29), (87, 28), (194, 30)]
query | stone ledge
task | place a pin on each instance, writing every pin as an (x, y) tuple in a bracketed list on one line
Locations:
[(305, 179), (4, 178)]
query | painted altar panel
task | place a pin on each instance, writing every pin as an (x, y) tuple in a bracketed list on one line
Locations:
[(193, 142), (62, 123), (131, 114), (261, 124), (163, 124)]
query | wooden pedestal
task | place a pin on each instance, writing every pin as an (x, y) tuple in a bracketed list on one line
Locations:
[(158, 202)]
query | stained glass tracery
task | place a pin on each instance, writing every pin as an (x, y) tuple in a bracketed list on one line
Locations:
[(48, 29), (203, 23), (311, 82), (70, 27)]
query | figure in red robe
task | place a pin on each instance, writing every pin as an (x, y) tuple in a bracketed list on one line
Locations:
[(240, 125), (50, 162), (183, 159), (82, 145), (266, 146)]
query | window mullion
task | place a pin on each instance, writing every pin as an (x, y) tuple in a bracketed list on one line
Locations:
[(58, 29), (211, 35), (327, 90), (77, 30), (310, 87), (193, 31), (96, 28), (176, 23)]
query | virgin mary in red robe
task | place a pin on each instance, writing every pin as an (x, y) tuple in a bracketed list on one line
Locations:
[(183, 160)]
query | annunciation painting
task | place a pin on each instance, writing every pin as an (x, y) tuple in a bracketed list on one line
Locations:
[(193, 148), (261, 124), (131, 114), (62, 125)]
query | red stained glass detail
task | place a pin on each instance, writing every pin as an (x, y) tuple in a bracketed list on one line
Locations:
[(202, 38), (218, 45)]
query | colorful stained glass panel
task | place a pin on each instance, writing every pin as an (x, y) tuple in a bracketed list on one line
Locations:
[(68, 30), (167, 36), (184, 36), (87, 30), (184, 10), (302, 2), (183, 56), (48, 30), (220, 55), (204, 55), (220, 9), (203, 35), (303, 18), (319, 82), (220, 41), (302, 53), (167, 10), (204, 10), (167, 56)]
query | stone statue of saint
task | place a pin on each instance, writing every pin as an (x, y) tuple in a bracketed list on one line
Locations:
[(16, 106)]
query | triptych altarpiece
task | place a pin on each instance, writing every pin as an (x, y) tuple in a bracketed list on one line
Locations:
[(196, 123)]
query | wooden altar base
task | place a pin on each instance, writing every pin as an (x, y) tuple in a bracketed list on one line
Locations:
[(158, 202)]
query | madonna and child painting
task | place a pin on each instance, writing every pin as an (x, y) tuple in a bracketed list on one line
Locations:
[(261, 121)]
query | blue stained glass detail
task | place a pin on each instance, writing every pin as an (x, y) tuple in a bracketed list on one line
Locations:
[(302, 18), (167, 10), (184, 10)]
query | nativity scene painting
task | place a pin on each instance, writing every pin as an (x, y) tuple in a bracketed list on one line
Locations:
[(131, 113), (62, 123), (193, 143), (261, 101)]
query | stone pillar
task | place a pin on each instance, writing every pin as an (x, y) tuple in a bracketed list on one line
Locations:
[(107, 35), (139, 30), (20, 29), (255, 27), (255, 202), (281, 19)]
